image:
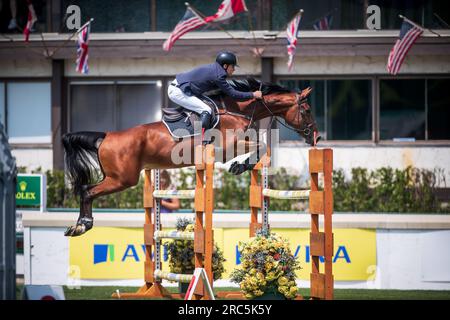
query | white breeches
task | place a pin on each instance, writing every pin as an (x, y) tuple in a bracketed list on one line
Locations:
[(189, 102)]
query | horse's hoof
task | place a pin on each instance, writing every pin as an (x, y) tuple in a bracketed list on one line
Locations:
[(237, 168), (75, 231)]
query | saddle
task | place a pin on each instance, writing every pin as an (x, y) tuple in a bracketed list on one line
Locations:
[(180, 121)]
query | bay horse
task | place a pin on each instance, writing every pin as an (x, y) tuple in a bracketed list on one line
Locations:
[(122, 155)]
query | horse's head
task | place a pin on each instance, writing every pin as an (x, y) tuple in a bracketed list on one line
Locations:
[(278, 101), (301, 119)]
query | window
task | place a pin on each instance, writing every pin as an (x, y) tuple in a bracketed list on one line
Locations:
[(19, 10), (351, 14), (438, 109), (349, 110), (114, 16), (113, 105), (339, 14), (402, 109), (421, 11), (28, 116), (342, 108), (137, 15)]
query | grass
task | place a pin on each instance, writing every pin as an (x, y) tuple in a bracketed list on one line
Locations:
[(104, 293)]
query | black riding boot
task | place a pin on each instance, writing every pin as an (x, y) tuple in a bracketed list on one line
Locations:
[(206, 119)]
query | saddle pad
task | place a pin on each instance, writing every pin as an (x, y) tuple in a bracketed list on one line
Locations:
[(183, 128)]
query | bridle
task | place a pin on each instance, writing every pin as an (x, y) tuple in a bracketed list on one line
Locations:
[(305, 129)]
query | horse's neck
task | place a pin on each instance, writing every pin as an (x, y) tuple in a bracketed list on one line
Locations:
[(253, 110)]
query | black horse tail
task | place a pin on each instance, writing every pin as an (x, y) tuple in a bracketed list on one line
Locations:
[(81, 158)]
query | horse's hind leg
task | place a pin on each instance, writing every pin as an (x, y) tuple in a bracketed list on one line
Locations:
[(85, 220)]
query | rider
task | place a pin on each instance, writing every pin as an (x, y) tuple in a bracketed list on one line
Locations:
[(188, 86)]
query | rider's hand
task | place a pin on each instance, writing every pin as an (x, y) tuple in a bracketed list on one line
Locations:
[(257, 94)]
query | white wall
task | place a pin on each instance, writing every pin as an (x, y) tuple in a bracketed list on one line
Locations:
[(26, 68), (33, 158)]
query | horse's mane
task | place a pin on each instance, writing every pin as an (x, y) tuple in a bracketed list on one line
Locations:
[(251, 84)]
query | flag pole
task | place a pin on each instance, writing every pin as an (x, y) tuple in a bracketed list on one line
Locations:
[(84, 26), (299, 12), (412, 22), (250, 26), (418, 26), (73, 34), (441, 20)]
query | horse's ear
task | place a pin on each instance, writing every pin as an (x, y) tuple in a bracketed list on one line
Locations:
[(305, 92)]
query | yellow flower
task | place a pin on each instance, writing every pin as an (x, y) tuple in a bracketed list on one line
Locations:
[(258, 293), (260, 276), (270, 276), (282, 281), (293, 291), (282, 289)]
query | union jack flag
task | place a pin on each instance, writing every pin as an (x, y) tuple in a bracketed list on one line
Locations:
[(408, 35), (323, 23), (82, 50), (291, 32)]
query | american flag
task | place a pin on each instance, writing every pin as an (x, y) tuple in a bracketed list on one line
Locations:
[(291, 32), (30, 21), (324, 23), (408, 35), (227, 10), (190, 21), (82, 50)]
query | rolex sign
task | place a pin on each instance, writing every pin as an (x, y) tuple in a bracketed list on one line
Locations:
[(30, 190)]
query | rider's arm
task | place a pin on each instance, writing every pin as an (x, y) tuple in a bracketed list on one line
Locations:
[(229, 90)]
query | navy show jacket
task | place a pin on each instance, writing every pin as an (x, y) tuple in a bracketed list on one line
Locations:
[(206, 78)]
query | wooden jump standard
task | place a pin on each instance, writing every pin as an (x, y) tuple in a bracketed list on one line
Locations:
[(320, 203), (202, 236)]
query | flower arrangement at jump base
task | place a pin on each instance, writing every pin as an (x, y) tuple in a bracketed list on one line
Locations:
[(181, 253), (268, 267)]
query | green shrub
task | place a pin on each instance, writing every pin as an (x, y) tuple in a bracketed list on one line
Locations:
[(388, 190), (381, 190)]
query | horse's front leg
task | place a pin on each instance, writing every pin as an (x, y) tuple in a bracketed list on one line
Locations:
[(257, 150)]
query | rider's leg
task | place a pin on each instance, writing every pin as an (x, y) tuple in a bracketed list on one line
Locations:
[(191, 103)]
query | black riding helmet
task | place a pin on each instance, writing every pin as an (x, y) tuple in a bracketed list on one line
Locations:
[(226, 57)]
